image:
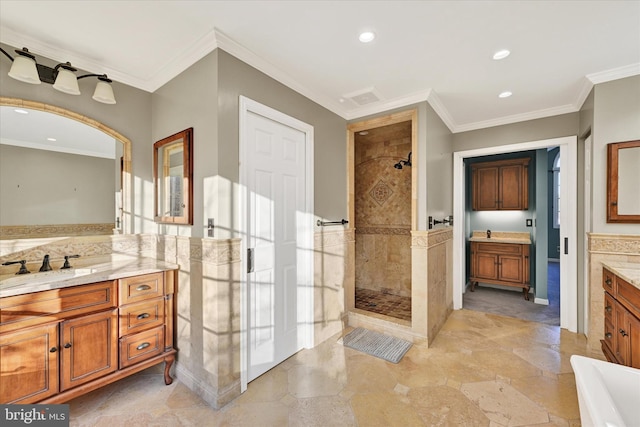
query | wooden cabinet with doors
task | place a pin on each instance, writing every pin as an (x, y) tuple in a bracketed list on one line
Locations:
[(500, 264), (500, 185), (621, 343), (58, 344)]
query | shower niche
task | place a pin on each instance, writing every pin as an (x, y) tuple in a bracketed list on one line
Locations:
[(382, 205)]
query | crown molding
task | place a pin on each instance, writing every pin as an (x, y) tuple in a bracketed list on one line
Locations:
[(515, 118), (247, 56), (585, 89), (438, 106), (614, 73)]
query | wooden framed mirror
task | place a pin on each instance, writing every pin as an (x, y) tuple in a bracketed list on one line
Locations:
[(623, 178), (173, 178)]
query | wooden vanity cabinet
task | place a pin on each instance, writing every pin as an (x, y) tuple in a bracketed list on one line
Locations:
[(500, 185), (59, 344), (621, 343), (500, 264)]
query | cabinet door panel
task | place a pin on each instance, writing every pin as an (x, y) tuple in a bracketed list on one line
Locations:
[(511, 269), (485, 196), (634, 341), (511, 187), (621, 343), (29, 364), (487, 266), (89, 348)]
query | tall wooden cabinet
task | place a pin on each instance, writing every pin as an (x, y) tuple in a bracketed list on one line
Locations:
[(59, 344), (621, 343), (500, 185)]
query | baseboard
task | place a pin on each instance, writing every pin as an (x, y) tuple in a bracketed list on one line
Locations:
[(541, 301), (209, 394)]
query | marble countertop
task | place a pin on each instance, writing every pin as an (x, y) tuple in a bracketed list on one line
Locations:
[(518, 237), (89, 270), (628, 271)]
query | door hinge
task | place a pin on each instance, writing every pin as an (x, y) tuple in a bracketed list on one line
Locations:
[(250, 260)]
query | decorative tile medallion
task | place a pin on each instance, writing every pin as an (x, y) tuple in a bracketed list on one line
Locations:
[(380, 192)]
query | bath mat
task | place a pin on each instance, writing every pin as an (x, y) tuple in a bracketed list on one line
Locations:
[(376, 344)]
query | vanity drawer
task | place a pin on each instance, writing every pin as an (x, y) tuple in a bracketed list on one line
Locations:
[(500, 248), (609, 304), (142, 315), (140, 288), (41, 307), (141, 346), (608, 281)]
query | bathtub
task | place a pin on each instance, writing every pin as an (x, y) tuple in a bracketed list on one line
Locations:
[(608, 393)]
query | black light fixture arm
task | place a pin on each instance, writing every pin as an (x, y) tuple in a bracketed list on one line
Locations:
[(48, 74)]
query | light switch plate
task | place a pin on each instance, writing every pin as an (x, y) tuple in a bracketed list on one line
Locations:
[(529, 223)]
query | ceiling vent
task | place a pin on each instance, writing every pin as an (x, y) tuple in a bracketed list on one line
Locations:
[(363, 96)]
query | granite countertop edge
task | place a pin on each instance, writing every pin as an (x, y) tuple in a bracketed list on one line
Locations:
[(100, 270)]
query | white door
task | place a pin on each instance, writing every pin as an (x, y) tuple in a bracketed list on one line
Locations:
[(276, 190)]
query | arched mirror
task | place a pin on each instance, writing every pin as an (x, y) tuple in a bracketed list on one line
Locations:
[(623, 176), (61, 173)]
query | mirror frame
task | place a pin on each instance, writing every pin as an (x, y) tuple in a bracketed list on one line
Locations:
[(613, 155), (187, 176), (125, 210)]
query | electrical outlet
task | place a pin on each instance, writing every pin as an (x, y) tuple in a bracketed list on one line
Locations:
[(529, 223)]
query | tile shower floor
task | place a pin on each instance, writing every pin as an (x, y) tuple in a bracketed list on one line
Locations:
[(384, 303), (482, 370)]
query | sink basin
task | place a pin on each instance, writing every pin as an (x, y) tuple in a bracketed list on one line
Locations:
[(45, 277)]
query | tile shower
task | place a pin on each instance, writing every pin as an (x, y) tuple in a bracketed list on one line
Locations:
[(383, 219)]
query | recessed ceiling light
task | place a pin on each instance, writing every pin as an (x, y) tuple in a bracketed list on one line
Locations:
[(51, 139), (366, 37), (20, 111), (501, 54), (505, 94)]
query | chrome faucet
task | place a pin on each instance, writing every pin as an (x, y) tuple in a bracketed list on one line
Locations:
[(45, 264), (23, 266)]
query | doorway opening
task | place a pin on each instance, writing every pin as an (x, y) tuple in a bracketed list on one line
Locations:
[(540, 223), (567, 210), (382, 212)]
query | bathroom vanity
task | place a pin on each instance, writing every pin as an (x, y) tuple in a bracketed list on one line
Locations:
[(64, 334), (502, 259), (621, 283)]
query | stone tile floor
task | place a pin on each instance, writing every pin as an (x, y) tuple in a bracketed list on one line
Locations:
[(481, 370), (384, 303)]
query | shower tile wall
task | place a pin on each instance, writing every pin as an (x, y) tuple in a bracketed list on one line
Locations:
[(383, 210)]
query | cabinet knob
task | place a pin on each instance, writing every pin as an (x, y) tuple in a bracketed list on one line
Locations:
[(623, 332), (608, 281), (143, 316), (608, 309), (53, 349), (608, 335), (143, 345), (67, 345)]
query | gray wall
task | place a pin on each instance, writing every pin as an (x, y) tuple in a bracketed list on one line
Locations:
[(616, 118), (190, 100), (439, 166), (330, 168), (131, 116)]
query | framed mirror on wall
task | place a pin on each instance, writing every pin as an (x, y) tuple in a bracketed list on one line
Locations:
[(623, 177), (173, 178)]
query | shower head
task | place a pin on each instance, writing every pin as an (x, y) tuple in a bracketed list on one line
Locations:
[(403, 162)]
